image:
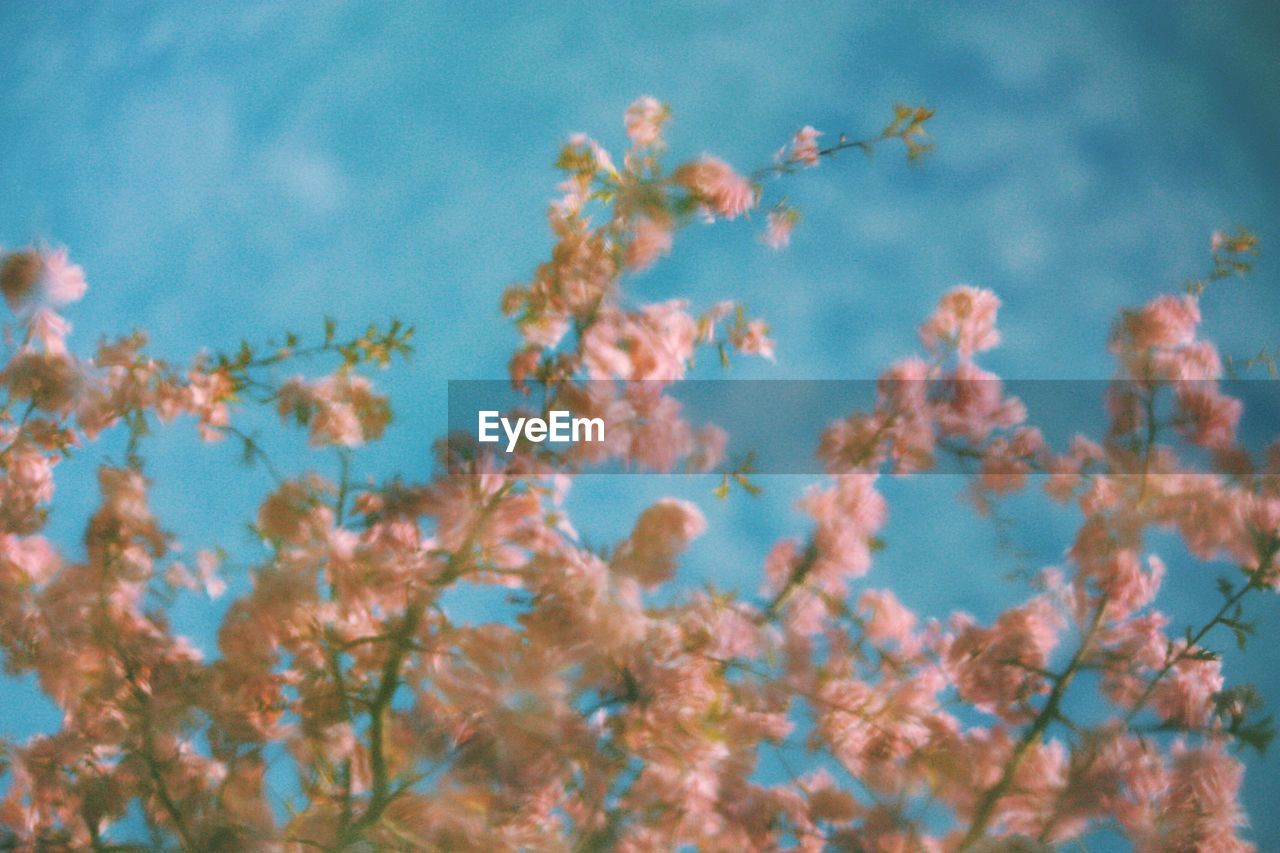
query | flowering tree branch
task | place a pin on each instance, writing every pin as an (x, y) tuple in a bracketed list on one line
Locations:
[(604, 711)]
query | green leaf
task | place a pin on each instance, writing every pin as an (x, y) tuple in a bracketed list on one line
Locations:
[(1257, 735)]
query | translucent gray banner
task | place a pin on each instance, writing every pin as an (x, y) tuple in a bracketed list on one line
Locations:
[(777, 426)]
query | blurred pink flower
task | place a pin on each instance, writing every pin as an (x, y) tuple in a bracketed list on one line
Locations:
[(644, 119), (965, 320), (714, 183)]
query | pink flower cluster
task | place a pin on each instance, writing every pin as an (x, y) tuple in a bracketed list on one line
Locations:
[(721, 191)]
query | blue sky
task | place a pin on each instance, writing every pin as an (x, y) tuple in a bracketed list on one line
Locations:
[(223, 171)]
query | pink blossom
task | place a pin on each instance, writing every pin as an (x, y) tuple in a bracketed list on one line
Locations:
[(778, 228), (659, 436), (43, 279), (1199, 810), (63, 281), (714, 183), (1120, 576), (974, 405), (1185, 695), (996, 668), (286, 512), (1164, 323), (804, 147), (208, 394), (753, 339), (662, 532), (826, 801), (1198, 360), (524, 363), (601, 158), (780, 565), (50, 330), (887, 619), (654, 344), (545, 331), (709, 448), (50, 381), (965, 321), (649, 241), (847, 515), (341, 409), (32, 556), (1207, 416), (644, 119), (1004, 469), (19, 276)]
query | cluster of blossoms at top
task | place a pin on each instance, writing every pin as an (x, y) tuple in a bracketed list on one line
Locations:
[(574, 319), (608, 713)]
